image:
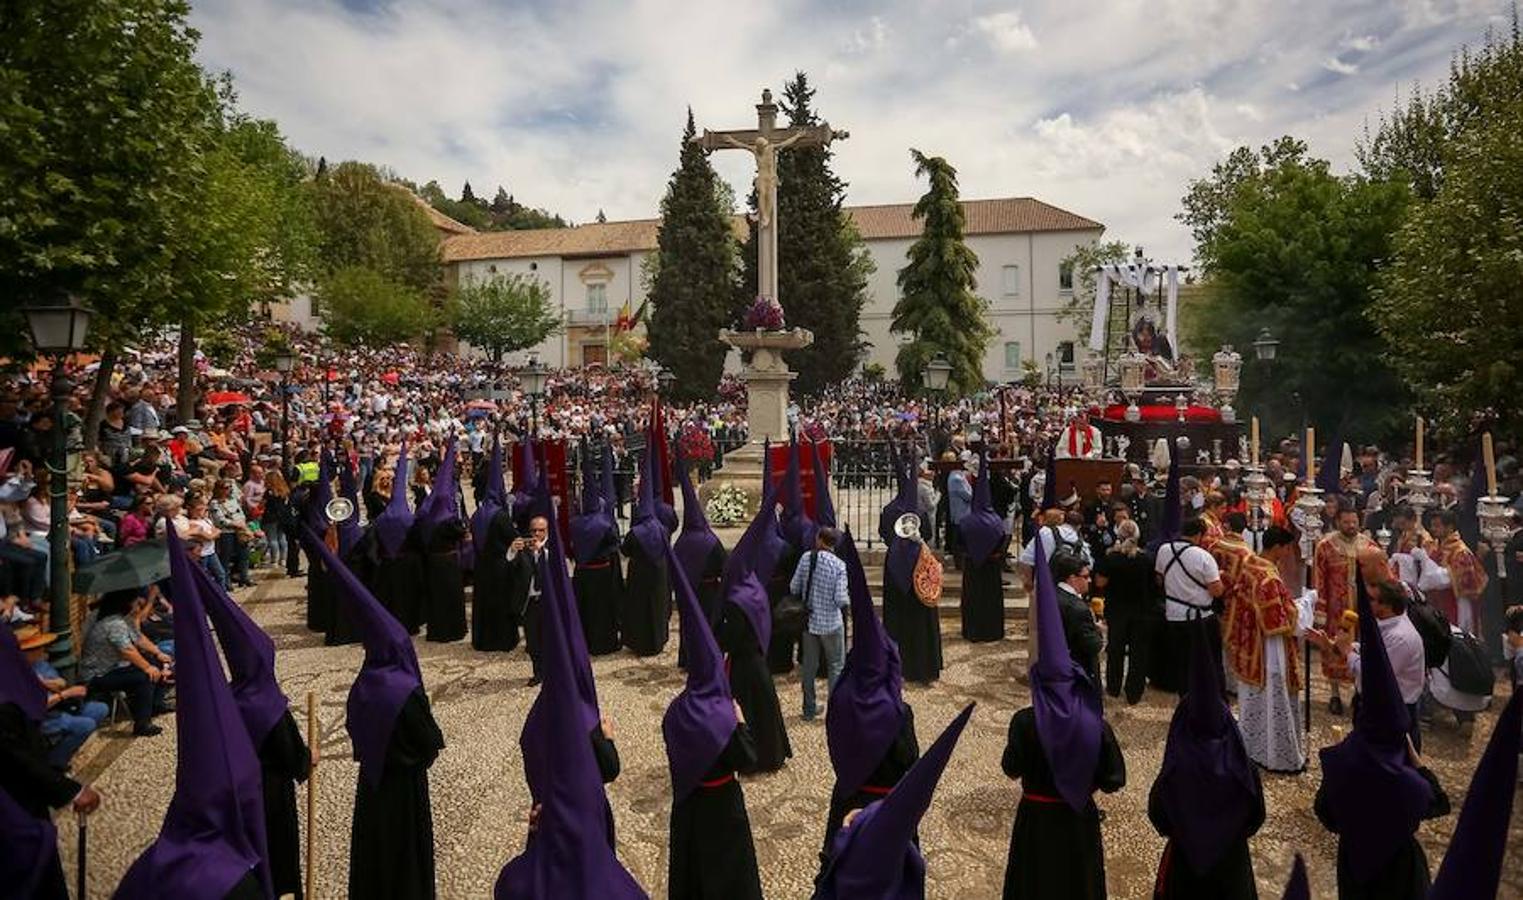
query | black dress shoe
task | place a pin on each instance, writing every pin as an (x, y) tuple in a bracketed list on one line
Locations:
[(148, 730), (1335, 706)]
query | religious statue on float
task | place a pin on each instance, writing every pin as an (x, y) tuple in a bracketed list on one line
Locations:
[(1160, 365)]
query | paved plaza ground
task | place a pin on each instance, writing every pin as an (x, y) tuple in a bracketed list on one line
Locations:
[(481, 803)]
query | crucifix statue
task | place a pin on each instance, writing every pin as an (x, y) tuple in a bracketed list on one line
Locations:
[(763, 142)]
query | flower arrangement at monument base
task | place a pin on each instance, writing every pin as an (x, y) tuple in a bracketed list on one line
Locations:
[(697, 446), (727, 506), (764, 314)]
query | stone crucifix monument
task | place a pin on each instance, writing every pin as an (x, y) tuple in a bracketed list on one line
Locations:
[(764, 372)]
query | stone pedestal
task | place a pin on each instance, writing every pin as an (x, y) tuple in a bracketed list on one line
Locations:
[(767, 378)]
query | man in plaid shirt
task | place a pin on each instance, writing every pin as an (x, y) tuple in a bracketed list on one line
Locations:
[(825, 594)]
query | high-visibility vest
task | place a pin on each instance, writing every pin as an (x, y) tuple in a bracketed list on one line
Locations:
[(306, 472)]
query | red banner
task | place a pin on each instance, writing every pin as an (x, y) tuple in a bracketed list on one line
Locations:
[(807, 453)]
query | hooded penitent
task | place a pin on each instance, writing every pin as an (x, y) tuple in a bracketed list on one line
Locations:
[(646, 527), (1329, 474), (213, 832), (30, 842), (903, 553), (697, 541), (594, 529), (1068, 717), (386, 679), (798, 528), (250, 658), (392, 525), (1206, 783), (349, 530), (824, 507), (752, 561), (1472, 866), (1375, 794), (700, 720), (866, 708), (568, 854), (492, 498), (439, 506), (665, 496), (574, 646), (982, 529), (875, 856)]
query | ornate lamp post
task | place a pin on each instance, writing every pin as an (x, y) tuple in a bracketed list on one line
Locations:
[(285, 361), (533, 377), (1493, 511), (1265, 346), (1092, 375), (936, 376), (58, 329)]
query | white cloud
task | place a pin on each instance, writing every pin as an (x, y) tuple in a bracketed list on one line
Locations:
[(1334, 64), (1006, 31), (578, 105), (1360, 44)]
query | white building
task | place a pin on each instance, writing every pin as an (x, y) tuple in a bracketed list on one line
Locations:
[(593, 270)]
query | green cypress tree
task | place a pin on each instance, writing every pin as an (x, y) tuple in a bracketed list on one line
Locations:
[(938, 306), (823, 263), (695, 274)]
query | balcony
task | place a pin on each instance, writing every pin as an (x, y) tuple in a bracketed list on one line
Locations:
[(590, 316)]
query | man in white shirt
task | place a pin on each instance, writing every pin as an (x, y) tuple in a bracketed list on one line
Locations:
[(1055, 534), (1192, 582), (1404, 647)]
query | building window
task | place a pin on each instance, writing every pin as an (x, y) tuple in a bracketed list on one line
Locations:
[(1066, 278), (597, 298), (1066, 355), (1012, 356), (492, 269), (1012, 280)]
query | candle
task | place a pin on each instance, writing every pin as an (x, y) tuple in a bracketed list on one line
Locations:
[(1253, 440), (1419, 442), (1491, 464), (1311, 455)]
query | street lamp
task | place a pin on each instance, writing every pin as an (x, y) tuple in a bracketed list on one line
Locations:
[(59, 328), (285, 361), (1265, 346), (938, 372), (1049, 369), (664, 381), (533, 377)]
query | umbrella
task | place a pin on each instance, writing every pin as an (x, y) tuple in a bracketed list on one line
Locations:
[(137, 566), (483, 405), (223, 398)]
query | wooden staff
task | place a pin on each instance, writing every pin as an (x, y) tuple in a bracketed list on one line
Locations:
[(313, 739), (83, 853), (1254, 439), (1419, 443), (1490, 458)]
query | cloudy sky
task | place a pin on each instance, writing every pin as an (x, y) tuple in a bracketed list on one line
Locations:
[(1104, 108)]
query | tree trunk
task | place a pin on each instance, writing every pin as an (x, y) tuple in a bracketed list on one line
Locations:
[(185, 390), (97, 408)]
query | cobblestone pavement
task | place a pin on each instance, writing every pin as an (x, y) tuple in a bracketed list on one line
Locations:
[(480, 800)]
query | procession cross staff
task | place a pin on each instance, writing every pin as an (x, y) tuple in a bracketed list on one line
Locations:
[(313, 738), (763, 142), (84, 837)]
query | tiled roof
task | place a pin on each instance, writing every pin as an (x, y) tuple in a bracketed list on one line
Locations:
[(1006, 216)]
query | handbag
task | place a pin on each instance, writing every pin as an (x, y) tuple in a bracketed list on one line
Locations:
[(791, 613)]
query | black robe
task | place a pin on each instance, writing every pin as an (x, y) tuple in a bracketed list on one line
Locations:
[(396, 581), (783, 651), (1232, 876), (494, 604), (391, 851), (983, 599), (712, 855), (341, 629), (599, 589), (901, 755), (35, 786), (320, 597), (751, 686), (646, 607), (606, 753), (916, 628), (1406, 876), (1054, 851), (710, 595), (283, 761), (444, 584)]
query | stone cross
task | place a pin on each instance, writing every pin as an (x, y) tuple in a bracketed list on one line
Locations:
[(763, 142)]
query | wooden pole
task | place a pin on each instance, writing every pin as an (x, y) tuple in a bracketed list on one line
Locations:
[(1491, 464), (83, 855), (313, 739), (1254, 439)]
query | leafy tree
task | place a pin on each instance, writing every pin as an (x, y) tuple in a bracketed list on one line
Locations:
[(1450, 304), (362, 307), (694, 274), (505, 313), (365, 222), (1287, 245), (502, 203), (938, 306), (1415, 142), (467, 195), (823, 263), (1080, 308)]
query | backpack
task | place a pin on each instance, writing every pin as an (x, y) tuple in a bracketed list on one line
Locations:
[(1469, 666), (1433, 628)]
